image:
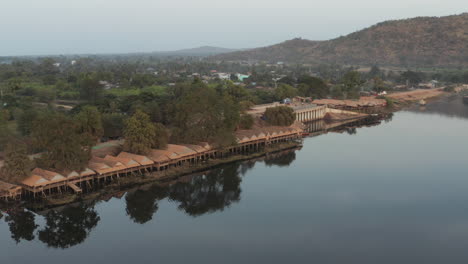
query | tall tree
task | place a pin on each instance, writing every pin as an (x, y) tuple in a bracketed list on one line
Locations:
[(411, 77), (284, 91), (90, 123), (17, 165), (25, 121), (113, 125), (5, 132), (351, 83), (203, 114), (312, 87), (90, 88), (65, 148), (141, 134)]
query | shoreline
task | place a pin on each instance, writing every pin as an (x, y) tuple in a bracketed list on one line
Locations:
[(127, 183), (138, 179)]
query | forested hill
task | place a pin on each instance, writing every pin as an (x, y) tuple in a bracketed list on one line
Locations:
[(421, 41)]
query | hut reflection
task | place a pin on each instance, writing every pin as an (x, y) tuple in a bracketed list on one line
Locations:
[(196, 194)]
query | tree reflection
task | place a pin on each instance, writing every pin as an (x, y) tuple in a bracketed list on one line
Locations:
[(142, 204), (22, 224), (281, 159), (351, 130), (209, 193), (388, 117), (69, 227), (246, 166)]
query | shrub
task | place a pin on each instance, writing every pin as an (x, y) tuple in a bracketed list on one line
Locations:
[(280, 116), (246, 121)]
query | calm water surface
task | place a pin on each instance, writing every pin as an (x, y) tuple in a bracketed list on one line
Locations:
[(393, 193)]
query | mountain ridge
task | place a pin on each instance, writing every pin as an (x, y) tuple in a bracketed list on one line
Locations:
[(421, 41)]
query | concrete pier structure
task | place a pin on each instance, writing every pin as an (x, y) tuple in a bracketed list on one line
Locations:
[(309, 112)]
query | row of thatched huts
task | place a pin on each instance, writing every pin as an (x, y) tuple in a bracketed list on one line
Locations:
[(106, 168)]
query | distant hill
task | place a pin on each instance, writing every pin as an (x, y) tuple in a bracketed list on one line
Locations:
[(200, 51), (421, 41)]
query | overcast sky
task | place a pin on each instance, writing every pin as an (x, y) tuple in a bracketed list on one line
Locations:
[(39, 27)]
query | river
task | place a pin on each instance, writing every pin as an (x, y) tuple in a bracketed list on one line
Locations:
[(392, 193)]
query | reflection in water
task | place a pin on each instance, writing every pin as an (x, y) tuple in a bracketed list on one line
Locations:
[(397, 189), (69, 227), (320, 127), (209, 193), (22, 224), (196, 194), (451, 106), (282, 160), (142, 204)]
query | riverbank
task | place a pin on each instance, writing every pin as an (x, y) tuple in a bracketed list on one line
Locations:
[(125, 183), (417, 95)]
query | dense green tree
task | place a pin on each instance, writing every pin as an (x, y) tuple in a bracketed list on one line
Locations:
[(312, 87), (238, 92), (375, 72), (5, 132), (141, 134), (351, 82), (287, 80), (90, 88), (245, 105), (162, 137), (246, 121), (337, 91), (89, 123), (203, 114), (410, 77), (280, 116), (25, 121), (113, 125), (284, 91), (65, 147), (17, 165), (378, 85)]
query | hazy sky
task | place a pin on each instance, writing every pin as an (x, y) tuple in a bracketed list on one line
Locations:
[(33, 27)]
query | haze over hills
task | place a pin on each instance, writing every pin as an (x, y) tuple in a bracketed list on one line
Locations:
[(199, 51), (421, 41)]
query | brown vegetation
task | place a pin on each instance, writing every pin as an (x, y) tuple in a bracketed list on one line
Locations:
[(422, 41)]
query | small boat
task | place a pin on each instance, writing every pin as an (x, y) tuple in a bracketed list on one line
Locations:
[(465, 99), (422, 102)]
